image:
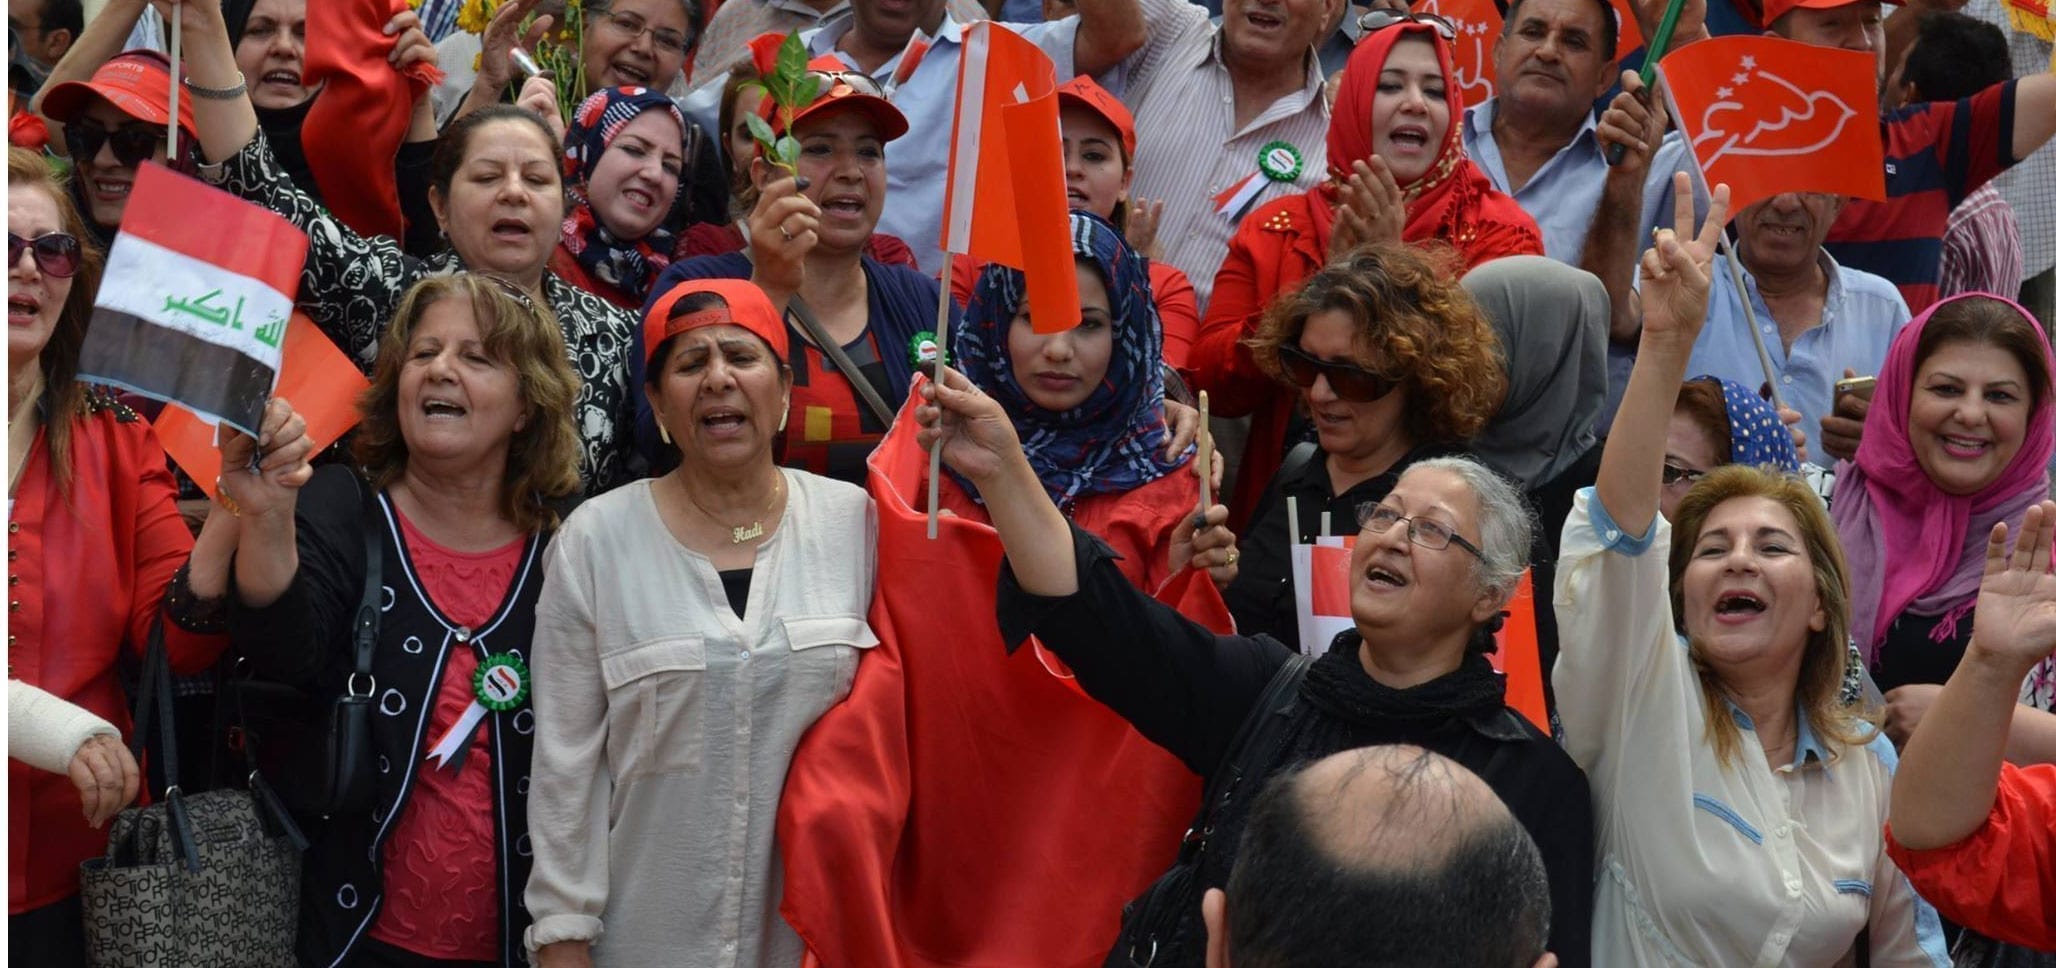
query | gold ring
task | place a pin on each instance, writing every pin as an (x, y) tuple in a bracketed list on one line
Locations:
[(1233, 557)]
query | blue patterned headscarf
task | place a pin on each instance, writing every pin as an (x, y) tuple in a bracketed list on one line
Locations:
[(1756, 437), (1114, 441)]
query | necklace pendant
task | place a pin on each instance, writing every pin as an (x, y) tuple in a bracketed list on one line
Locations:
[(751, 533)]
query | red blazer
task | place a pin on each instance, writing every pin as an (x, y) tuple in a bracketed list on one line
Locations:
[(86, 576), (2000, 880), (1275, 249)]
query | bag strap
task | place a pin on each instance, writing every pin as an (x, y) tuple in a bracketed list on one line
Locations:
[(798, 309), (365, 627), (1254, 748), (156, 699)]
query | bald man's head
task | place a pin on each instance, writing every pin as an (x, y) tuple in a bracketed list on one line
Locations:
[(1386, 855)]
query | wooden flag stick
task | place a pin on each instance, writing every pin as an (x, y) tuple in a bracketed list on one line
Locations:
[(177, 41), (1206, 458), (1292, 517), (941, 359)]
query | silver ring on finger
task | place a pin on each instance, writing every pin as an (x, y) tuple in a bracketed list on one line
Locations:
[(782, 230)]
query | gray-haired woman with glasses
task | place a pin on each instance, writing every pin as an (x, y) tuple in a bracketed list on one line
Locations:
[(1437, 559)]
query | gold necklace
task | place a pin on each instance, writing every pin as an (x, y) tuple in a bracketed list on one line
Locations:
[(737, 533)]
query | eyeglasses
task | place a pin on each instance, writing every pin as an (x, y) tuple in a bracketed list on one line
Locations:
[(133, 144), (1432, 535), (57, 253), (1380, 19), (1673, 475), (858, 83), (631, 27), (1350, 382)]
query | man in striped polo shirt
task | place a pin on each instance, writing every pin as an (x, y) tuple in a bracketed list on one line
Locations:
[(1936, 153)]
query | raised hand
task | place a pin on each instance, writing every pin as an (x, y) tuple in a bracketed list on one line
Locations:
[(975, 433), (1207, 544), (1677, 271), (410, 44), (280, 473), (1183, 423), (1144, 215), (539, 94), (2016, 602), (1842, 431), (1371, 209), (782, 231), (1635, 119), (502, 33)]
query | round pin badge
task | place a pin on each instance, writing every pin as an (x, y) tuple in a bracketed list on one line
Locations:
[(501, 682), (923, 351), (1280, 161)]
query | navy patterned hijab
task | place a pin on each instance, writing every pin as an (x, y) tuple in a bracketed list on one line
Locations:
[(629, 265), (1114, 441), (1756, 437)]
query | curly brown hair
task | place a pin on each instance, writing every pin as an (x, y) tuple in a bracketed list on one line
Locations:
[(542, 458), (63, 394), (1420, 329)]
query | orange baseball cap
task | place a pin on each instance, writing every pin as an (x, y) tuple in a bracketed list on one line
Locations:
[(137, 82), (1086, 93), (846, 90), (1773, 9), (722, 302)]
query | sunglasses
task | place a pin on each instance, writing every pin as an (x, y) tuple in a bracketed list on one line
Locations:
[(1349, 381), (57, 254), (1380, 19), (1673, 475), (857, 83), (132, 145)]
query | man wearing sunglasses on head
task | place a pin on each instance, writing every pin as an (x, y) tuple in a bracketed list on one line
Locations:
[(114, 123)]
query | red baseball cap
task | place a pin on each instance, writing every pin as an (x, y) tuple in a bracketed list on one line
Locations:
[(1773, 9), (846, 90), (1086, 93), (729, 302), (136, 82)]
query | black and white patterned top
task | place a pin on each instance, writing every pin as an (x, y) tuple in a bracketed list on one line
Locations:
[(352, 284)]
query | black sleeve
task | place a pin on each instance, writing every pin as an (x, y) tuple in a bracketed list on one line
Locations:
[(1177, 683), (707, 199), (411, 175), (1567, 855), (292, 639)]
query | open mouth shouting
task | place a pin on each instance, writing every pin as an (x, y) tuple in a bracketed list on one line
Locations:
[(512, 231), (22, 309), (1735, 607), (723, 422), (442, 410)]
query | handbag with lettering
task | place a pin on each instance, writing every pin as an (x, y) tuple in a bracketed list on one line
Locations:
[(202, 879)]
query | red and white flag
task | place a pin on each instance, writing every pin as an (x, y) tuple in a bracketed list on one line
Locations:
[(1006, 201), (1767, 116), (199, 318)]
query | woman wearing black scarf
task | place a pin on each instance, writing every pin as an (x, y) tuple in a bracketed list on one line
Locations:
[(1436, 561), (270, 41)]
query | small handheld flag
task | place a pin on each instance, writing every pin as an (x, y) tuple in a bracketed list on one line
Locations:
[(200, 318)]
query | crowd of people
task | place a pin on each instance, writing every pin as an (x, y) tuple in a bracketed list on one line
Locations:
[(834, 652)]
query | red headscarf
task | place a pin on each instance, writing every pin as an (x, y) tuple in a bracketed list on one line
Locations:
[(1454, 201)]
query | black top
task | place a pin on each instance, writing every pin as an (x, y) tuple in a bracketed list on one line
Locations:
[(736, 582), (1261, 598), (1188, 690), (1908, 655)]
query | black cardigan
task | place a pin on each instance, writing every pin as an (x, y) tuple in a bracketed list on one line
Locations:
[(1188, 689), (304, 638)]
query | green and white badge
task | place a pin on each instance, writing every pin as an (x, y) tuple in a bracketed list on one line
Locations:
[(501, 683), (1280, 161)]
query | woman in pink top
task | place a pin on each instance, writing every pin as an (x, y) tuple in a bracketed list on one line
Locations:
[(468, 443)]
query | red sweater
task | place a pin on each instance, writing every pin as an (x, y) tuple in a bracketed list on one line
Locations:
[(86, 575), (2001, 880)]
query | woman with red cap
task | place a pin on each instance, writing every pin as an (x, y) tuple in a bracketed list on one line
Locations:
[(691, 628), (1399, 173), (114, 123), (808, 235), (1099, 164)]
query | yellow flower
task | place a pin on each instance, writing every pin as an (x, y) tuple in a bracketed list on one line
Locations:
[(475, 15)]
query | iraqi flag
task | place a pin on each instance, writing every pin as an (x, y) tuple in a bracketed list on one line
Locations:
[(1766, 116), (198, 292), (1321, 580), (1006, 201)]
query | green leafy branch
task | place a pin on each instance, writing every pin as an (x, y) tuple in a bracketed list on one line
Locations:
[(790, 86)]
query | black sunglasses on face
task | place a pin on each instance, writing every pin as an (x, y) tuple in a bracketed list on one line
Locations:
[(1380, 19), (1349, 381), (132, 145), (1673, 474), (57, 254)]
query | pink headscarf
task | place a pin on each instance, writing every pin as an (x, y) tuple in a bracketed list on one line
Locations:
[(1911, 546)]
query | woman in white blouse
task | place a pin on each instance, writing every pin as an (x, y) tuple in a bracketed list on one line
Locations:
[(1739, 803), (690, 629)]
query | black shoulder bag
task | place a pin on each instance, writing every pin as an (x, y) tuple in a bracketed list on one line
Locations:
[(320, 764), (1162, 927)]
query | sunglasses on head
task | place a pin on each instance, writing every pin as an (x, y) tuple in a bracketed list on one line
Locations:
[(57, 254), (1380, 19), (857, 83), (132, 144), (1349, 381)]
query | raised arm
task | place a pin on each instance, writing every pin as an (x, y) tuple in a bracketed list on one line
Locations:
[(2034, 113), (105, 36), (1675, 282), (1949, 773), (1610, 247), (978, 441), (1108, 31)]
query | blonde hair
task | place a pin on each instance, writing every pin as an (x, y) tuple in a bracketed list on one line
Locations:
[(542, 457), (1826, 660), (59, 359)]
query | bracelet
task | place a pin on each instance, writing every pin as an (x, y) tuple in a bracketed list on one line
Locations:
[(220, 93)]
